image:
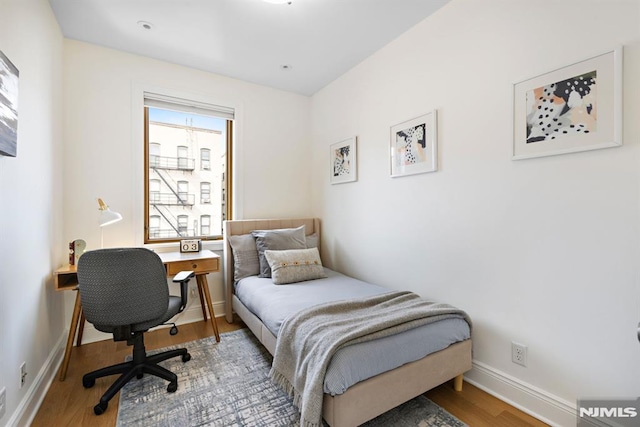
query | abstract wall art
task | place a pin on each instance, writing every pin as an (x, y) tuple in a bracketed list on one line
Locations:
[(574, 108), (8, 107), (343, 161), (413, 146)]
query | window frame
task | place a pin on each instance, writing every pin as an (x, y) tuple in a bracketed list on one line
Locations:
[(227, 188)]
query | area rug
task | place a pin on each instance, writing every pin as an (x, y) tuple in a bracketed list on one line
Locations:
[(227, 384)]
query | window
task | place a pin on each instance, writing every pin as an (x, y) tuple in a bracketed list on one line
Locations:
[(154, 226), (183, 160), (205, 224), (186, 129), (205, 159), (183, 225), (183, 193), (154, 193), (154, 155), (205, 192)]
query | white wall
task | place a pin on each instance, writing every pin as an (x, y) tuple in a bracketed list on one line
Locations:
[(104, 143), (100, 85), (543, 251), (31, 312)]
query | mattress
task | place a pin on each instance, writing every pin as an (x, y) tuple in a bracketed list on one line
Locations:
[(272, 304)]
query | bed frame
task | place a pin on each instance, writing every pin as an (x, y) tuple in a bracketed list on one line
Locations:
[(369, 398)]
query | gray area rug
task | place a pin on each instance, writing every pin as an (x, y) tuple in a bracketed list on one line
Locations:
[(227, 384)]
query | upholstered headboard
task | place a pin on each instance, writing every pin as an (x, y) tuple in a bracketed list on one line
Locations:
[(246, 226)]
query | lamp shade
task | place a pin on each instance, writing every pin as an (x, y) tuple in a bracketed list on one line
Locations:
[(107, 216)]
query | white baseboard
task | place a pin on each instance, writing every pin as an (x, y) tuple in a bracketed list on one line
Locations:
[(530, 399), (28, 407)]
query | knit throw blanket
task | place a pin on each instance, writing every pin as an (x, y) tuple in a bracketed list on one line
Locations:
[(308, 339)]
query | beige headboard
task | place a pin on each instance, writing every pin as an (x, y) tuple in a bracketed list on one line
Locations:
[(246, 226)]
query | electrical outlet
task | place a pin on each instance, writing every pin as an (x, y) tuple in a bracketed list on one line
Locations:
[(3, 401), (519, 353), (23, 374)]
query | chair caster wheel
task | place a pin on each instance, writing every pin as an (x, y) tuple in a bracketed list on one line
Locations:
[(173, 330), (100, 408), (88, 383), (172, 387), (186, 357)]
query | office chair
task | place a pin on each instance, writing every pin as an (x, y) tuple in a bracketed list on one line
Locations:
[(124, 292)]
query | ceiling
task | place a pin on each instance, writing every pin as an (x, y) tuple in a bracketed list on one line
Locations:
[(298, 47)]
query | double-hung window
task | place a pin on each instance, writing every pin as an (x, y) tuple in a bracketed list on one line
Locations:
[(188, 146)]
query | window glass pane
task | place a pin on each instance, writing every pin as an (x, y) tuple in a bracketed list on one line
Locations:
[(154, 225), (205, 159), (154, 154), (183, 224), (205, 224), (154, 194), (205, 192), (176, 141)]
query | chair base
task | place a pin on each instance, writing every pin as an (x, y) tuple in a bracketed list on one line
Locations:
[(140, 365)]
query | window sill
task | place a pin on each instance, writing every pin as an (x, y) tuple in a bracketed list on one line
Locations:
[(212, 245)]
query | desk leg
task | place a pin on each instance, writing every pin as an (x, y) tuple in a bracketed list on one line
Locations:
[(204, 287), (77, 308), (80, 329), (202, 301)]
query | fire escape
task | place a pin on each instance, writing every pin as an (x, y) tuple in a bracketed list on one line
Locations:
[(162, 202)]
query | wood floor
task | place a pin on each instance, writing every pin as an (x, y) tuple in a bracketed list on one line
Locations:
[(67, 403)]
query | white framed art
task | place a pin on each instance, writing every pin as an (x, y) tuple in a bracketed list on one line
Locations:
[(343, 161), (414, 146), (574, 108)]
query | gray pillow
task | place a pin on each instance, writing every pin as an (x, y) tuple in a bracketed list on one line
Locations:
[(277, 240), (312, 241), (295, 265), (245, 256)]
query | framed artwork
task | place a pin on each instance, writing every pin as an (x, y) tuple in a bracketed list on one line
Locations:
[(570, 109), (343, 156), (8, 107), (414, 146)]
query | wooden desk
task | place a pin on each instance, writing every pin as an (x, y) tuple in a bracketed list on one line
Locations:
[(202, 263)]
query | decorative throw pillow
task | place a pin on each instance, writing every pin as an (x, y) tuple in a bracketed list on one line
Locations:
[(295, 265), (277, 240), (245, 256)]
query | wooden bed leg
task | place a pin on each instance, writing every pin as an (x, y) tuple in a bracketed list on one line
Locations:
[(457, 383)]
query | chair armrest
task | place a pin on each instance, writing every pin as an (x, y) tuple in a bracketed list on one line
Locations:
[(183, 278)]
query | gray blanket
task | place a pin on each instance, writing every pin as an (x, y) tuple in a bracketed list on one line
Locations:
[(308, 340)]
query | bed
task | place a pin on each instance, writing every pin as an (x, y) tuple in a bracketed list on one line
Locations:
[(365, 399)]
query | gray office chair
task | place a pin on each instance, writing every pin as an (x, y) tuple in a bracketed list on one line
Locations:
[(124, 292)]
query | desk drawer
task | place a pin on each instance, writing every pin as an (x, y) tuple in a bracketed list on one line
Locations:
[(198, 266)]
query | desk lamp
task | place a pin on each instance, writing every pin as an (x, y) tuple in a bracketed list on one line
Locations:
[(107, 217)]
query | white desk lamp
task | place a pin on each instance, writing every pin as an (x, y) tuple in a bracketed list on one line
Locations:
[(107, 217)]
